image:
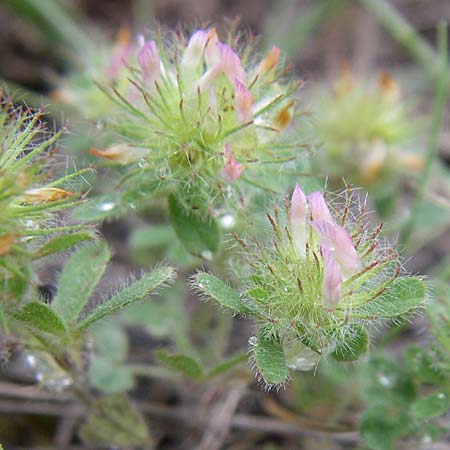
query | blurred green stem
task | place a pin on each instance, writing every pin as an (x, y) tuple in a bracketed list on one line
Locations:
[(404, 33), (441, 94)]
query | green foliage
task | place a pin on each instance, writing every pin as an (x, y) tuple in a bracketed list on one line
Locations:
[(200, 236), (61, 243), (432, 405), (183, 364), (269, 360), (355, 346), (220, 292), (136, 291), (114, 421), (81, 274), (41, 318), (399, 298)]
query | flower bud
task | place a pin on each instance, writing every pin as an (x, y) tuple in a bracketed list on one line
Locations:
[(270, 61), (338, 240), (150, 62), (331, 278), (243, 103), (44, 195), (232, 170), (193, 55), (299, 221), (319, 209), (212, 54), (121, 153), (121, 52)]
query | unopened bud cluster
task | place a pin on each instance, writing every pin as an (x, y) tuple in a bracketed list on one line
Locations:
[(197, 116)]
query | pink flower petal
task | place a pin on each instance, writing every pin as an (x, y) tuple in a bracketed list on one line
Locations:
[(243, 103), (299, 220), (319, 208), (150, 62), (232, 170), (331, 279)]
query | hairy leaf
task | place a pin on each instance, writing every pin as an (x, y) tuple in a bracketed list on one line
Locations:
[(61, 243), (400, 297), (221, 292), (354, 346), (270, 361), (136, 291), (42, 318), (432, 405), (81, 274)]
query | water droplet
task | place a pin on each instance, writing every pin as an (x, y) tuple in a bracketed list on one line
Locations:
[(253, 341), (106, 206), (300, 357), (386, 380), (31, 361), (227, 221), (207, 254)]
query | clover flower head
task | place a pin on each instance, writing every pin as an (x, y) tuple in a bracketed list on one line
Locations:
[(319, 281), (365, 133), (186, 102)]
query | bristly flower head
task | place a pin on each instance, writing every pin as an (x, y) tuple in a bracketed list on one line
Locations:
[(31, 196), (316, 284), (201, 113), (365, 134)]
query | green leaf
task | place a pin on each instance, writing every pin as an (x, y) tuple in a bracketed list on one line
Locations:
[(114, 422), (353, 346), (136, 291), (379, 427), (432, 405), (400, 297), (80, 275), (422, 365), (42, 318), (269, 359), (152, 236), (110, 341), (221, 292), (109, 378), (231, 362), (182, 363), (60, 244), (200, 237)]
